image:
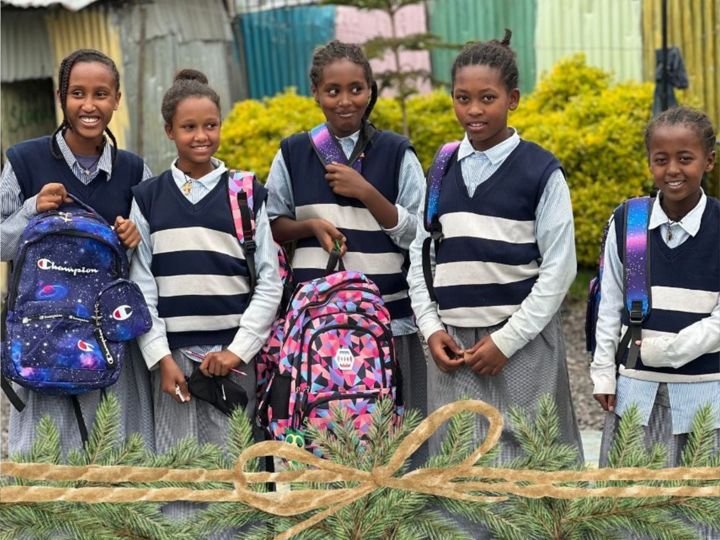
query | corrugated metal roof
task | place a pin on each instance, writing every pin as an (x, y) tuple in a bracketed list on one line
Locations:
[(245, 6), (187, 20), (25, 46), (460, 21), (279, 45), (608, 32), (72, 5)]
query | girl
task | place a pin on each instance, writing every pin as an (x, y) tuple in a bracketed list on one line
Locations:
[(37, 177), (192, 271), (371, 214), (506, 261), (678, 370)]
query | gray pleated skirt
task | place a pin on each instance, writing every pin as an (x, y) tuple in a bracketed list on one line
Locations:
[(658, 430), (136, 415), (538, 368), (413, 370)]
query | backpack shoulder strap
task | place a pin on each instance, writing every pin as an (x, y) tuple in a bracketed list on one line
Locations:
[(636, 270), (328, 149), (437, 171), (240, 194)]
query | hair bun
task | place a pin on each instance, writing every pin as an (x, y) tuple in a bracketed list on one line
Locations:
[(506, 38), (190, 75)]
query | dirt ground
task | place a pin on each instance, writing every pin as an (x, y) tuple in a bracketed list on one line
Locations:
[(588, 412)]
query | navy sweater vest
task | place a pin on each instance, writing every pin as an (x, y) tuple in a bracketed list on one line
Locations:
[(685, 284), (370, 249), (488, 261), (35, 166), (197, 261)]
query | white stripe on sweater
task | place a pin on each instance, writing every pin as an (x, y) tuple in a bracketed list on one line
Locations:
[(201, 323), (476, 317), (684, 300), (482, 273), (367, 263), (468, 224), (349, 217), (195, 239), (201, 285)]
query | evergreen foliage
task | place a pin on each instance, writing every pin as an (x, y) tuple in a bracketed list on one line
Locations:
[(387, 514)]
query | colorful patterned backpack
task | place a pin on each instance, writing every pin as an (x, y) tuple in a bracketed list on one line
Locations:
[(71, 308), (636, 281), (333, 349)]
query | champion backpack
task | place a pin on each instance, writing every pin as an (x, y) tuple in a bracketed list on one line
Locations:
[(636, 281), (438, 168), (333, 349), (71, 309)]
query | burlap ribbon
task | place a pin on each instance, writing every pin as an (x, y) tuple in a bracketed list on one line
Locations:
[(462, 481)]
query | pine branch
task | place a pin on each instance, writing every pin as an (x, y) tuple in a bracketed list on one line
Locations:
[(701, 440), (105, 433)]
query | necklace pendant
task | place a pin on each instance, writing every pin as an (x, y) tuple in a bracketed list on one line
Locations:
[(187, 187)]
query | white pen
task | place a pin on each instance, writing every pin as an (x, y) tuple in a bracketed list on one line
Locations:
[(179, 393)]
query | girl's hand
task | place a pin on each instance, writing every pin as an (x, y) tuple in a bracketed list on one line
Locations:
[(484, 358), (446, 353), (606, 401), (51, 196), (326, 233), (127, 232), (219, 363), (172, 378), (346, 181)]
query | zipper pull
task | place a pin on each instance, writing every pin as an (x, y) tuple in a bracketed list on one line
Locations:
[(222, 387)]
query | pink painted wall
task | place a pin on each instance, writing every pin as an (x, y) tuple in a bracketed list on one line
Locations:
[(357, 26)]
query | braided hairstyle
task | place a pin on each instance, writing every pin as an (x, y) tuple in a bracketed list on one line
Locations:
[(337, 50), (187, 83), (66, 66), (693, 119), (492, 53)]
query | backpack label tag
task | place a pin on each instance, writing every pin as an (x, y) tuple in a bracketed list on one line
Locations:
[(344, 359)]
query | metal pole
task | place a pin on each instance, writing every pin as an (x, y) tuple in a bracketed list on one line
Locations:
[(664, 81)]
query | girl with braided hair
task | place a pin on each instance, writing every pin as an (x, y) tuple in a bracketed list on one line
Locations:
[(37, 177), (367, 206), (505, 259)]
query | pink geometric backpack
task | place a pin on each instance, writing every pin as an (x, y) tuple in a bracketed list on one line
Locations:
[(334, 348)]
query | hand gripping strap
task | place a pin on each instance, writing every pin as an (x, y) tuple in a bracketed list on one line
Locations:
[(328, 149), (637, 271), (240, 193), (434, 181)]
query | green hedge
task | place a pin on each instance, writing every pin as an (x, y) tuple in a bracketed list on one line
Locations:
[(593, 127)]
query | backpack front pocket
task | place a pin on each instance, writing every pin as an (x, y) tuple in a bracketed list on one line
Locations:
[(121, 311)]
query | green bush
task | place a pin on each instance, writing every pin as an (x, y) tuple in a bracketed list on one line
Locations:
[(593, 127)]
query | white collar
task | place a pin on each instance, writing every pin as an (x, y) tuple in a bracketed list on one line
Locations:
[(496, 154), (210, 178), (690, 222)]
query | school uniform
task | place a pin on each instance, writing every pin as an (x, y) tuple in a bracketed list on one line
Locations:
[(107, 188), (678, 370), (502, 269), (298, 190)]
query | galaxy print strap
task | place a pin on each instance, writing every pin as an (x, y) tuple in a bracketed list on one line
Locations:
[(240, 181), (637, 275), (434, 181), (328, 148)]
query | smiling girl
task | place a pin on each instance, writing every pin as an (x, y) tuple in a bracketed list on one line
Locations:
[(77, 158), (506, 260), (194, 275), (367, 200)]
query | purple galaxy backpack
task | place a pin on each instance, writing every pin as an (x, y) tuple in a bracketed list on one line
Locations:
[(334, 346), (71, 309), (636, 281)]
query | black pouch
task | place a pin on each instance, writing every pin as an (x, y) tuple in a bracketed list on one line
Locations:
[(221, 392)]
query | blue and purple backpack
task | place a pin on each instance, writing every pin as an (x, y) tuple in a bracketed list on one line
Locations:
[(71, 309), (636, 280)]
